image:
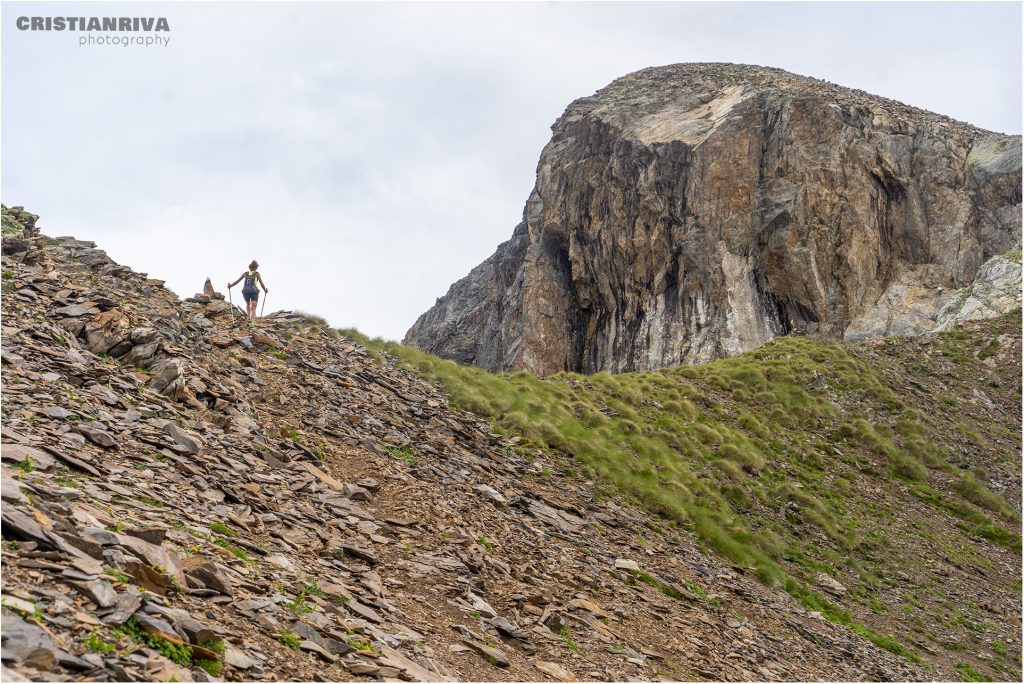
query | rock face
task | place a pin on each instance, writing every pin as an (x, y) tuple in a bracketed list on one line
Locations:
[(695, 211), (996, 290)]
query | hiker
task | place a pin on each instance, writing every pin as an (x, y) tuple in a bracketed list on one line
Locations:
[(250, 292)]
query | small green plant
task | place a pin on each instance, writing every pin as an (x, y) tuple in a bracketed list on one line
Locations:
[(290, 639), (212, 667), (310, 319), (693, 588), (214, 645), (118, 575), (485, 543), (360, 645), (25, 465), (178, 653), (666, 589), (299, 604), (313, 589), (475, 614), (564, 635), (402, 453), (94, 642), (407, 548), (237, 551), (67, 481), (221, 528), (969, 674), (150, 501)]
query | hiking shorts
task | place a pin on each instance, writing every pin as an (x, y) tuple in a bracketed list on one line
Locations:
[(252, 295)]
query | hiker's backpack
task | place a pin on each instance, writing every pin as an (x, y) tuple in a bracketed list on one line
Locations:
[(250, 281)]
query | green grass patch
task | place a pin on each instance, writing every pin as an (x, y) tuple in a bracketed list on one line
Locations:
[(663, 587), (67, 481), (402, 453), (221, 528), (237, 551), (969, 674), (177, 653)]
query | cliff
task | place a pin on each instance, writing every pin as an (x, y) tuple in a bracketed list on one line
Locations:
[(695, 211)]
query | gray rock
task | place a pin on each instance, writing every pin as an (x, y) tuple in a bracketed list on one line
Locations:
[(239, 659), (141, 355), (493, 494), (98, 591), (22, 640), (482, 606), (168, 378), (361, 554), (190, 443), (208, 575), (17, 453), (493, 655), (357, 493), (97, 436), (217, 308), (996, 290), (56, 412), (127, 603), (12, 492), (195, 631)]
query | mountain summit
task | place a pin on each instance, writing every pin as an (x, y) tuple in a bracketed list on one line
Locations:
[(695, 211)]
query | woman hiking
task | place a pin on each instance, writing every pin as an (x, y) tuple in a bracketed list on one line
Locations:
[(249, 290)]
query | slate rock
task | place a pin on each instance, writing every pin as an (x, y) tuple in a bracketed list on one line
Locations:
[(98, 591)]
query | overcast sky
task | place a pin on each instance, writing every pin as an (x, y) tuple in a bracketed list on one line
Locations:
[(369, 155)]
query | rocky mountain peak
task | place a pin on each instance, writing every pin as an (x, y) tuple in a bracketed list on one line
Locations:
[(685, 87), (695, 211)]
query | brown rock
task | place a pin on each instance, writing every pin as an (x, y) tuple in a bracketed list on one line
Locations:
[(555, 670)]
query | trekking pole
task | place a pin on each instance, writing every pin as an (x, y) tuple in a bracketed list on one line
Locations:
[(231, 303), (264, 304)]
